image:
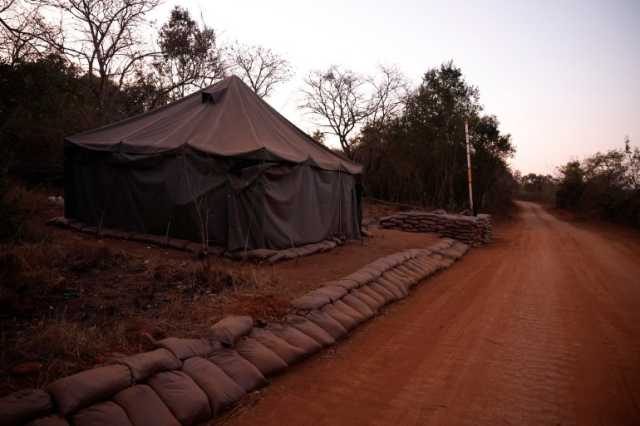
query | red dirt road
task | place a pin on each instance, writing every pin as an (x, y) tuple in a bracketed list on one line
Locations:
[(542, 327)]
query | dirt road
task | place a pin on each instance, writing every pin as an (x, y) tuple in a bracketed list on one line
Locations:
[(542, 328)]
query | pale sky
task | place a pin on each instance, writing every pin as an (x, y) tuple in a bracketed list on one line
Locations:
[(563, 77)]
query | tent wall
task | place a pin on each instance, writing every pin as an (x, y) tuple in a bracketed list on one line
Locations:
[(289, 206), (185, 194)]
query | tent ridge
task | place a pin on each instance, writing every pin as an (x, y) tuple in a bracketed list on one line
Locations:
[(235, 125)]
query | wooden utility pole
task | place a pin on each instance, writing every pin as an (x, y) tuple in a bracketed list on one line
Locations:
[(466, 136)]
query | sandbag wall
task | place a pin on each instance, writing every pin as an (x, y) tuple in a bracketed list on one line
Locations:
[(473, 230), (189, 381), (256, 255)]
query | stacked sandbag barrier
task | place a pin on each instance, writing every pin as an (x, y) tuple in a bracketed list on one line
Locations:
[(190, 381), (255, 255), (273, 256), (473, 230)]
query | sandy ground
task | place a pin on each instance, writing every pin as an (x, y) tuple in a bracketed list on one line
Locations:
[(542, 327)]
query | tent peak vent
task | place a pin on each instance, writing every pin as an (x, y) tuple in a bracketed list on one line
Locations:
[(212, 97)]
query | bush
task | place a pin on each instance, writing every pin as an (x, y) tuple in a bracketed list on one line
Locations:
[(18, 207), (604, 185)]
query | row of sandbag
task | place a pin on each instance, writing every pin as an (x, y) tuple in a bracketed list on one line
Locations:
[(474, 230), (257, 255), (188, 381), (183, 382), (158, 240), (272, 256)]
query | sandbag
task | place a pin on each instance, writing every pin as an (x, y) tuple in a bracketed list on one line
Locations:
[(447, 262), (187, 348), (382, 291), (442, 243), (347, 321), (426, 261), (22, 406), (182, 395), (286, 351), (263, 358), (347, 284), (413, 275), (87, 387), (372, 270), (429, 263), (144, 407), (416, 266), (439, 260), (239, 369), (372, 296), (102, 414), (53, 420), (461, 248), (359, 317), (231, 328), (385, 263), (422, 263), (358, 305), (398, 291), (373, 303), (145, 364), (307, 250), (427, 266), (221, 390), (310, 300), (323, 320), (401, 280), (393, 259), (361, 277), (377, 267), (406, 274), (311, 329), (334, 292), (296, 338)]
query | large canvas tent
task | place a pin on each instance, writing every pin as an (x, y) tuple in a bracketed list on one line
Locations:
[(219, 167)]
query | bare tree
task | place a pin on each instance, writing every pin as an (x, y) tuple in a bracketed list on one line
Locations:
[(337, 97), (390, 90), (344, 100), (24, 33), (261, 68), (105, 38)]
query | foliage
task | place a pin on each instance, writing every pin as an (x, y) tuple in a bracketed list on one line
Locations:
[(318, 136), (606, 185), (420, 156), (42, 102), (537, 187), (190, 58)]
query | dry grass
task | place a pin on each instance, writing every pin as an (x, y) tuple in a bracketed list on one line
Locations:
[(69, 307), (64, 347), (70, 301), (18, 208)]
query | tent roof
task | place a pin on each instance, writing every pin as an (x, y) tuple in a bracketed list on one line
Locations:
[(226, 119)]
